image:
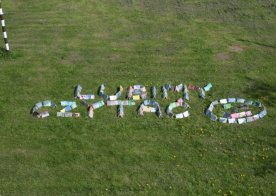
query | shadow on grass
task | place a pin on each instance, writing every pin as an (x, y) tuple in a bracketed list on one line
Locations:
[(257, 43), (4, 53), (267, 167), (266, 92), (261, 90)]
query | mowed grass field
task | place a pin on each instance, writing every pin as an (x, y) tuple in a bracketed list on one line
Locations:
[(57, 44)]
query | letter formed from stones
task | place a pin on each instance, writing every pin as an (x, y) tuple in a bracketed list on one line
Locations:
[(150, 106), (179, 103), (153, 92), (106, 97), (121, 111), (237, 117), (35, 110)]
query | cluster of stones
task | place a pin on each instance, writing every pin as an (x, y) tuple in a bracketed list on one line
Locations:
[(35, 110), (179, 103), (138, 92), (245, 116), (150, 106)]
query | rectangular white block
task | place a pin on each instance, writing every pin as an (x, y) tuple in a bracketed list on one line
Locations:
[(242, 120), (262, 113), (223, 120), (215, 102), (113, 97), (112, 103), (1, 11), (86, 97), (7, 47), (137, 87), (239, 100), (231, 100), (242, 114), (3, 23), (249, 119), (5, 35), (45, 114), (231, 120), (211, 107), (256, 117), (178, 116), (186, 114), (223, 101)]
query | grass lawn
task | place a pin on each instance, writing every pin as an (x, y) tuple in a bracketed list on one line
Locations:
[(57, 44)]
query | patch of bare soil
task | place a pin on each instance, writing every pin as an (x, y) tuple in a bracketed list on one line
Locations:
[(236, 48), (223, 56)]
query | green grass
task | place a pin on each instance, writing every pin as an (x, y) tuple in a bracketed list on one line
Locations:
[(58, 44)]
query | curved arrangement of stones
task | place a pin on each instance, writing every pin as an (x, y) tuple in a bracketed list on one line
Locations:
[(150, 106), (35, 110), (110, 97), (77, 94), (136, 92), (236, 117), (179, 103)]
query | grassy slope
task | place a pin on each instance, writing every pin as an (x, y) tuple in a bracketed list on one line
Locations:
[(57, 44)]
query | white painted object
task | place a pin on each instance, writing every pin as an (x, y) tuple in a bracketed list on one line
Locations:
[(256, 117), (223, 101), (239, 100), (211, 107), (112, 103), (178, 116), (86, 97), (45, 114), (223, 120), (215, 102), (242, 120), (186, 114), (137, 87), (231, 120), (249, 119), (74, 105), (112, 97)]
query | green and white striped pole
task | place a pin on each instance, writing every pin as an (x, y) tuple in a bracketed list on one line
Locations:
[(5, 36)]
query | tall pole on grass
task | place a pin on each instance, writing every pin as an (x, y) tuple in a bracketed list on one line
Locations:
[(4, 28)]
